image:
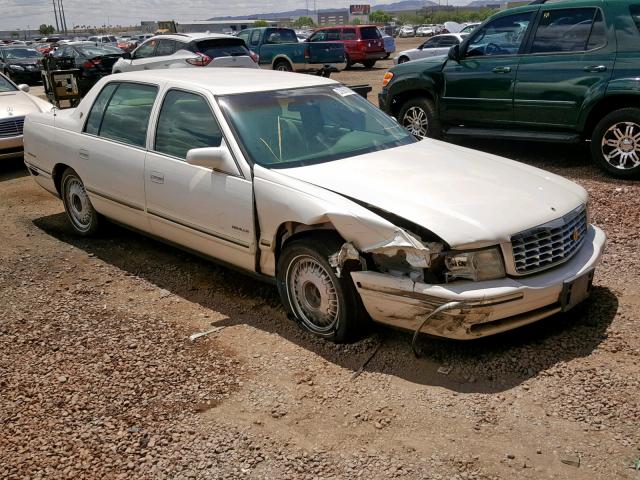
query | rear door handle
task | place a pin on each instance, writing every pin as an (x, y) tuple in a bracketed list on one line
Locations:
[(83, 154), (501, 70), (595, 68), (156, 177)]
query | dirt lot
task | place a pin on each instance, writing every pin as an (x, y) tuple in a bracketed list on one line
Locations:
[(99, 380)]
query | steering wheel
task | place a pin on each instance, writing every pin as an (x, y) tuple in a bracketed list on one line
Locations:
[(492, 49)]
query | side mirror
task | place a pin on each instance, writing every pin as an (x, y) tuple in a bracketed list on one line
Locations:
[(215, 158), (127, 56), (454, 53), (24, 87)]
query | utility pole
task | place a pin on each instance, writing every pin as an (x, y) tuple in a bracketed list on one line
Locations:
[(55, 12), (64, 17)]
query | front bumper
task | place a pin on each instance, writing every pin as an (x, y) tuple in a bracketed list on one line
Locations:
[(11, 147), (489, 307)]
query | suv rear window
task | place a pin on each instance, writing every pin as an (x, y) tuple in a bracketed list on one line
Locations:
[(222, 48), (369, 33), (565, 30)]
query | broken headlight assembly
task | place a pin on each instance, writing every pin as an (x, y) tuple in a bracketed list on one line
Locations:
[(476, 265)]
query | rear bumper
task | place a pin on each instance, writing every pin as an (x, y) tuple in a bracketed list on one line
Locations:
[(489, 307), (362, 56), (316, 67)]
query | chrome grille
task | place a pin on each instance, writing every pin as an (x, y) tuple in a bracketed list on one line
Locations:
[(11, 127), (550, 244)]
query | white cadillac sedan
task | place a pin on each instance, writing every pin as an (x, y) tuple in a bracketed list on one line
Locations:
[(300, 181)]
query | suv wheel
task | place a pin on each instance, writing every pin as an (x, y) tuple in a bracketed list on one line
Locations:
[(369, 63), (283, 66), (418, 116), (324, 304), (615, 144)]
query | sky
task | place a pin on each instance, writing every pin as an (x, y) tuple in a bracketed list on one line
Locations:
[(20, 14)]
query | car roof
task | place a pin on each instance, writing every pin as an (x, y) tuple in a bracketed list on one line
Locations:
[(226, 81), (187, 37)]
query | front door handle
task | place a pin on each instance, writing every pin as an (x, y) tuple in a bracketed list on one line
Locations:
[(501, 70), (83, 154), (157, 177), (595, 69)]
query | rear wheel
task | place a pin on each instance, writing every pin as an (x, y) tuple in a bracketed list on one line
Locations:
[(324, 304), (283, 66), (82, 216), (348, 62), (418, 116), (369, 63), (615, 143)]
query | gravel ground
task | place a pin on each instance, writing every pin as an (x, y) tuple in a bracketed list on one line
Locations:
[(98, 378)]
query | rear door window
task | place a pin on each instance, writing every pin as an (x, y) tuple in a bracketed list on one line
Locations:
[(448, 41), (166, 47), (126, 117), (369, 33), (214, 48), (431, 43), (349, 34), (185, 122), (565, 30)]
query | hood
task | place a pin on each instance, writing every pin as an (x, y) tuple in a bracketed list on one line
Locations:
[(22, 61), (468, 198), (427, 64), (19, 104)]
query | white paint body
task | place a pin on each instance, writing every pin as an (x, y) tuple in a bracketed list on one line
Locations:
[(429, 48), (467, 198)]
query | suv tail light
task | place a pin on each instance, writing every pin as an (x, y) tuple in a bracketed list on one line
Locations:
[(201, 60), (254, 56), (307, 52), (360, 45)]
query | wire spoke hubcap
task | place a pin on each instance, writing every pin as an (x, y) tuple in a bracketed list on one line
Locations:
[(78, 204), (313, 294), (621, 145), (416, 122)]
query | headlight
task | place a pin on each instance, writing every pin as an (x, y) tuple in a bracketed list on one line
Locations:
[(17, 68), (477, 266)]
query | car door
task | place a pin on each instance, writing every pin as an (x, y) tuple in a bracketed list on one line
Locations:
[(142, 57), (208, 211), (569, 61), (162, 58), (112, 150), (479, 87), (427, 49)]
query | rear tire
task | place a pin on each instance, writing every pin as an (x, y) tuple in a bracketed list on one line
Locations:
[(282, 66), (82, 216), (615, 143), (418, 116), (369, 63), (322, 303), (348, 61)]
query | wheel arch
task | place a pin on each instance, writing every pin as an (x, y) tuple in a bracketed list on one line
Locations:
[(56, 175), (281, 58), (604, 107), (287, 232), (400, 98)]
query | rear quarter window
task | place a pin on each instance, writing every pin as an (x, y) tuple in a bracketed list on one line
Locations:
[(369, 33)]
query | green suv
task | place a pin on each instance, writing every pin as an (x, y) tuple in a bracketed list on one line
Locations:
[(559, 71)]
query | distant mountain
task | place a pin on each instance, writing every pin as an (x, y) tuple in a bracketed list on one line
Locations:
[(485, 3), (401, 6)]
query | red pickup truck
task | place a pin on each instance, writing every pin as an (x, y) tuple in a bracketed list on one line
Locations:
[(362, 43)]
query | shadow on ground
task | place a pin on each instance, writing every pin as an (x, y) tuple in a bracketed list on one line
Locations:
[(12, 169), (487, 365)]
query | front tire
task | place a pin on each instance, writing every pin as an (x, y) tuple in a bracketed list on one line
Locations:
[(403, 60), (283, 66), (418, 117), (323, 304), (83, 217), (615, 143)]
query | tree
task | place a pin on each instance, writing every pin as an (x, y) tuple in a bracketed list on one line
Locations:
[(356, 21), (380, 16), (46, 29), (260, 23), (303, 22)]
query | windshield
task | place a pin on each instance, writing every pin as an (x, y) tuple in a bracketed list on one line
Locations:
[(292, 128), (6, 85), (21, 53)]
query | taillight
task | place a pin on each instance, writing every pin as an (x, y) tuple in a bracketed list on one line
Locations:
[(360, 45), (201, 60), (254, 56), (307, 52), (387, 78), (91, 63)]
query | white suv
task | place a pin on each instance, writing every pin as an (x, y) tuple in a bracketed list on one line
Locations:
[(104, 40), (188, 50)]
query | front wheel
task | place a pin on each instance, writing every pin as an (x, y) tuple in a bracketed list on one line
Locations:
[(324, 304), (615, 143), (82, 216), (403, 60), (419, 117)]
